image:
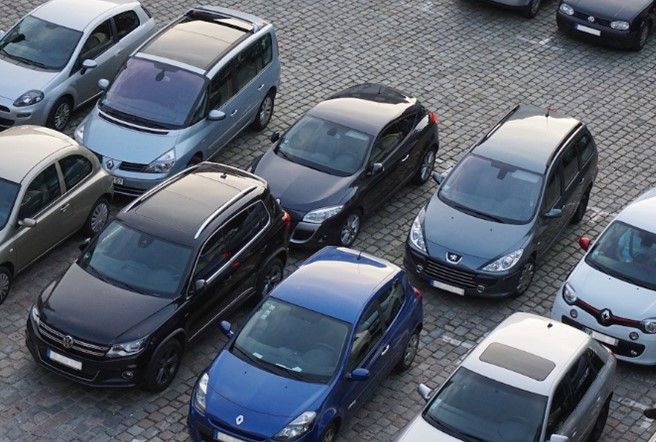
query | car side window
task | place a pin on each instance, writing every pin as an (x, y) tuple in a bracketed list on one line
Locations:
[(562, 406), (75, 168), (248, 65), (201, 109), (385, 143), (570, 163), (391, 301), (251, 222), (407, 123), (595, 361), (585, 147), (552, 192), (125, 22), (98, 42), (368, 333), (42, 191), (221, 89), (266, 50), (581, 375)]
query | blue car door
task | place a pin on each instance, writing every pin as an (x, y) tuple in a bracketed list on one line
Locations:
[(396, 310)]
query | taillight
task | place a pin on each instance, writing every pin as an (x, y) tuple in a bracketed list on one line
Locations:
[(418, 293), (286, 219), (432, 116)]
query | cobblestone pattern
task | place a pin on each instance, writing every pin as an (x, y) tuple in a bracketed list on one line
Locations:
[(468, 61)]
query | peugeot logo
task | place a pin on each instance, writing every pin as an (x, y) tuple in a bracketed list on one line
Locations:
[(68, 341), (239, 420), (606, 316), (591, 19), (453, 258), (110, 164)]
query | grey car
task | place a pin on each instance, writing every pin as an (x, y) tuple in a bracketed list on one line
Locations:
[(184, 95), (52, 59), (528, 8), (50, 187)]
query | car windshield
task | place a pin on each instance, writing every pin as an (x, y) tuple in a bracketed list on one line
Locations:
[(472, 407), (153, 94), (8, 192), (492, 190), (137, 261), (325, 146), (40, 43), (292, 341), (626, 252)]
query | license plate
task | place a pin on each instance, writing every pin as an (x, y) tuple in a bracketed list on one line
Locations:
[(601, 337), (118, 180), (226, 437), (448, 287), (72, 363), (588, 30)]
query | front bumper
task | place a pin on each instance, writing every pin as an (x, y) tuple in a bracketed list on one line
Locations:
[(458, 279), (313, 235), (570, 25), (95, 371), (11, 115), (129, 182)]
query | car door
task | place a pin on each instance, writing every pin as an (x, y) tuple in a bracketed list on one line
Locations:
[(411, 148), (221, 97), (128, 38), (572, 181), (397, 325), (249, 90), (42, 201), (548, 227), (76, 170), (560, 409)]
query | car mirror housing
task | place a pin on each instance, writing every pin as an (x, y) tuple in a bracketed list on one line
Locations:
[(27, 222), (553, 213), (103, 84), (584, 242), (88, 64), (558, 438), (216, 115), (84, 244), (424, 391), (438, 178), (275, 137), (226, 328), (359, 374), (650, 413), (199, 285), (376, 168)]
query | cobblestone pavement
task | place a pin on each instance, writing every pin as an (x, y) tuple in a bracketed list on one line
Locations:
[(468, 61)]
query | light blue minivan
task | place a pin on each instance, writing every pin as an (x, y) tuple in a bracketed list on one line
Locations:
[(184, 95)]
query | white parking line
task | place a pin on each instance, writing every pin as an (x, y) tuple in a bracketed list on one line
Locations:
[(456, 342), (532, 41), (599, 214)]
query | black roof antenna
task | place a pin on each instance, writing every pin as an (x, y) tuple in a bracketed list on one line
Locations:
[(549, 325), (359, 255)]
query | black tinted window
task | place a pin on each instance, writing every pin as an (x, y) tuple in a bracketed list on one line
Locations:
[(221, 89), (407, 123), (581, 375), (561, 407), (595, 361), (265, 49), (98, 42), (75, 168), (391, 301), (570, 164), (386, 143), (368, 333), (552, 192), (586, 148), (8, 192), (126, 22), (248, 66), (43, 190)]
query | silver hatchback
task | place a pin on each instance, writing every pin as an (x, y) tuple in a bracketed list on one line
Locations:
[(52, 59)]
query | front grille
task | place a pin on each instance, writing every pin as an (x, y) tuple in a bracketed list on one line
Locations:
[(132, 167), (623, 348), (127, 190), (80, 347), (599, 21), (613, 320), (238, 433), (4, 122), (4, 108), (450, 275)]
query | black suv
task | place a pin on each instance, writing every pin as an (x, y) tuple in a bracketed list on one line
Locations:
[(172, 262), (504, 204)]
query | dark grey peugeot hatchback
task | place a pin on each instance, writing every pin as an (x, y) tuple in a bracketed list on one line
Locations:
[(504, 204)]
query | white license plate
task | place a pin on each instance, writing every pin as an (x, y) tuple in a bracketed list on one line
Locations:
[(588, 30), (601, 337), (448, 287), (72, 363), (118, 180), (226, 437)]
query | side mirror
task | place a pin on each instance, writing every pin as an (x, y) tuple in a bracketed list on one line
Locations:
[(424, 392), (650, 413), (84, 244), (88, 64), (103, 83), (359, 374), (376, 168), (226, 328), (275, 137), (558, 438), (553, 213), (584, 242), (438, 178), (27, 222), (199, 285), (215, 115)]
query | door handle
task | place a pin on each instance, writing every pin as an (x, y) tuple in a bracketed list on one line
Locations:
[(64, 208), (261, 87), (385, 350), (405, 157), (232, 114)]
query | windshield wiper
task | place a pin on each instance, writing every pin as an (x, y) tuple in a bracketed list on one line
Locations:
[(270, 366), (132, 118), (25, 60), (453, 431), (284, 155), (477, 213)]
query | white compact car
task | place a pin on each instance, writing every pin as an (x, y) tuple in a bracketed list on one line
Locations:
[(531, 380), (611, 293)]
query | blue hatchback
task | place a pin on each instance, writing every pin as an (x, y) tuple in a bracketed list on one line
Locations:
[(310, 353)]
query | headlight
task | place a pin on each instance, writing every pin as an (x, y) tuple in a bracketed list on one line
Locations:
[(505, 262), (127, 348), (36, 316), (297, 427), (620, 25), (200, 399), (29, 98), (649, 325), (569, 295), (566, 9), (417, 235), (79, 133), (320, 215), (162, 164)]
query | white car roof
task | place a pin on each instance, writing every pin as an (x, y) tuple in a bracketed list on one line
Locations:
[(540, 348), (76, 14), (641, 212)]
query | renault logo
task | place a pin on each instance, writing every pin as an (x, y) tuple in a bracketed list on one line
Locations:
[(606, 316), (591, 19), (453, 258), (110, 164), (68, 341), (239, 420)]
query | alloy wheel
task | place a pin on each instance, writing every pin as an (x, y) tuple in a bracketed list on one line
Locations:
[(271, 279), (329, 435), (411, 350), (266, 109), (427, 165), (62, 115), (5, 282), (644, 33), (167, 367), (535, 5), (99, 217), (526, 277), (350, 229)]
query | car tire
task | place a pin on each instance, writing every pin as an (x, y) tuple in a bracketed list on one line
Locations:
[(196, 159), (98, 217), (60, 114), (269, 277), (349, 229), (426, 166), (409, 353), (264, 112), (532, 9), (526, 277), (641, 37), (5, 283), (330, 435), (163, 366), (600, 423), (581, 208)]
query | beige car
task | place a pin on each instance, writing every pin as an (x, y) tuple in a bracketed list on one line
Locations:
[(50, 187)]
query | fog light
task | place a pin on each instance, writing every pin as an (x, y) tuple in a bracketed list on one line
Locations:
[(480, 288), (633, 353), (573, 313), (419, 268), (128, 374), (24, 115), (634, 336)]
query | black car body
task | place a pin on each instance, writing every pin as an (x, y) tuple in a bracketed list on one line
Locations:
[(504, 204), (354, 150), (619, 23), (172, 262)]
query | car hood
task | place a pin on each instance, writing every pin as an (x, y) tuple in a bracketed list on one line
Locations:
[(420, 430), (125, 144), (455, 231), (267, 401), (604, 291), (612, 9), (21, 78), (299, 187), (95, 311)]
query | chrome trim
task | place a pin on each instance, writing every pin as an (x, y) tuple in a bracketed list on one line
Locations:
[(243, 294), (135, 126), (169, 61), (222, 209), (81, 346)]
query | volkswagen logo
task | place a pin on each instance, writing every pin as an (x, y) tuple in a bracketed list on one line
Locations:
[(591, 19), (453, 258), (110, 164), (68, 341), (606, 316), (239, 420)]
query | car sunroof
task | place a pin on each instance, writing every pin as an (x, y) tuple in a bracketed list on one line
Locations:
[(519, 361)]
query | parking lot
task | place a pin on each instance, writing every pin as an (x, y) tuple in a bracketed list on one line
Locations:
[(470, 63)]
